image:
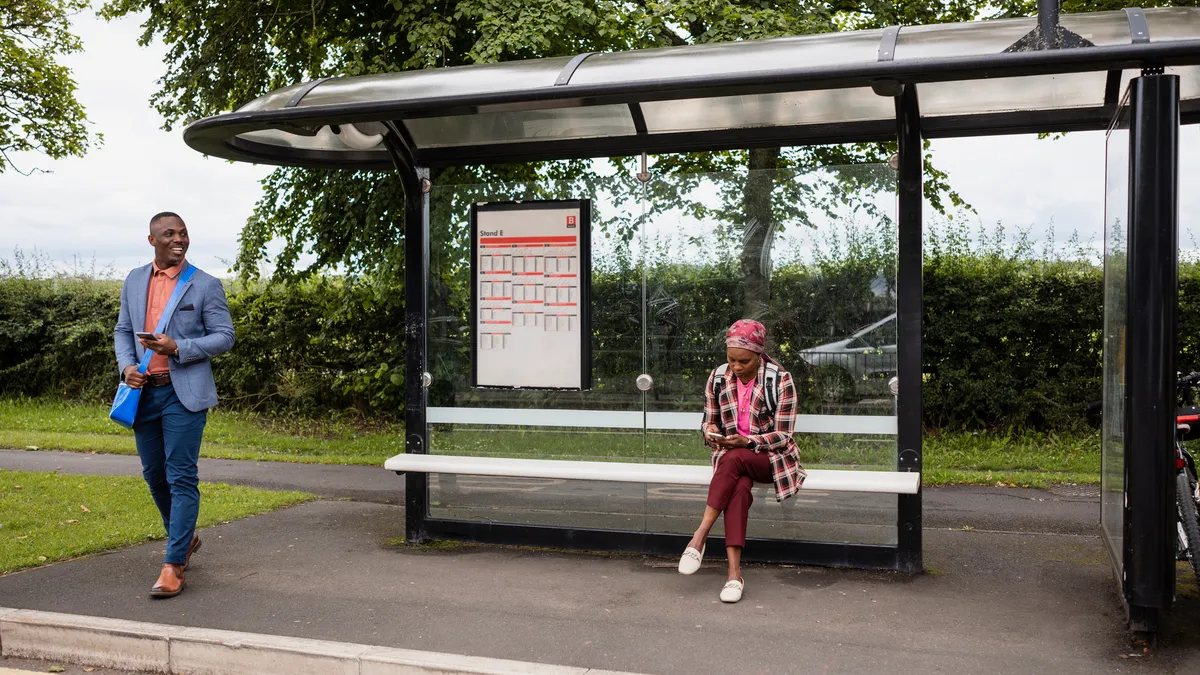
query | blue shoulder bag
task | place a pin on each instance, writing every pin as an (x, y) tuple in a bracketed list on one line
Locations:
[(125, 405)]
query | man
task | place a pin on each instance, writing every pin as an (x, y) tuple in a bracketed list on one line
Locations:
[(177, 388)]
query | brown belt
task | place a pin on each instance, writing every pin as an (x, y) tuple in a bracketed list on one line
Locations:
[(157, 379)]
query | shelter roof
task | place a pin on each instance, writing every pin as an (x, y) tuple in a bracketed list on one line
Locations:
[(972, 79)]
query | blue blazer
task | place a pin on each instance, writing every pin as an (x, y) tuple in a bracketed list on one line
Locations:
[(200, 325)]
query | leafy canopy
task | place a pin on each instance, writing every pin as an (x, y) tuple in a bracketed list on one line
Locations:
[(38, 108), (224, 53)]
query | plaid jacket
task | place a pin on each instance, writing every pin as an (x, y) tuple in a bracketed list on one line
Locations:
[(772, 435)]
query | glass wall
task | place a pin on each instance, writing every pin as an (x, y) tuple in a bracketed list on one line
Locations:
[(1116, 231), (675, 260)]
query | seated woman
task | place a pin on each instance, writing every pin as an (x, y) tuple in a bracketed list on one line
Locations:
[(750, 432)]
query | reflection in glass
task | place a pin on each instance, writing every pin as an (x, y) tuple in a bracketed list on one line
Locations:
[(1116, 209), (675, 261)]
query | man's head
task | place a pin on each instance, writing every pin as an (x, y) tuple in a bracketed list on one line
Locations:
[(169, 237)]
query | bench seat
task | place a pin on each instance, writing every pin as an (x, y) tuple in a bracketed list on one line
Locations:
[(831, 480)]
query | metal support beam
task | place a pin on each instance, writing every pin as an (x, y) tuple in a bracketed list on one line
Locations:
[(909, 307), (1151, 345), (416, 302)]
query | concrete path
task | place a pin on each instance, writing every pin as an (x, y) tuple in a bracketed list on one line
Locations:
[(992, 602), (1027, 589)]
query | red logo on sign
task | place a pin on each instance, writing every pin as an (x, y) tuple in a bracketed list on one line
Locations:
[(570, 221)]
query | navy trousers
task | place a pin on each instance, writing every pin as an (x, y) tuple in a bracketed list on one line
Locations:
[(168, 441)]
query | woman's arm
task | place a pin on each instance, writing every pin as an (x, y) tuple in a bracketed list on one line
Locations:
[(785, 418), (712, 409)]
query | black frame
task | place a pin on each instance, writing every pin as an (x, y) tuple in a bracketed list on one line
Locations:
[(1150, 399), (910, 198), (585, 283)]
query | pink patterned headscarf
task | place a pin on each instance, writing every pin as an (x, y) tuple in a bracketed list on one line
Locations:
[(747, 334)]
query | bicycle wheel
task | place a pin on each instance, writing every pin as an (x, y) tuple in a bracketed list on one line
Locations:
[(1189, 521)]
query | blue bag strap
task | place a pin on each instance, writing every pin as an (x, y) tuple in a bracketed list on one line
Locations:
[(180, 282)]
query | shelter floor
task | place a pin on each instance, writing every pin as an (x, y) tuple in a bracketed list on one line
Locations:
[(991, 601)]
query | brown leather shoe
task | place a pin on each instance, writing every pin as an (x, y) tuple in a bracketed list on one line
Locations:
[(170, 582), (195, 546)]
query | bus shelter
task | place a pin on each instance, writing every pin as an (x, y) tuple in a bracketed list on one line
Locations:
[(618, 463)]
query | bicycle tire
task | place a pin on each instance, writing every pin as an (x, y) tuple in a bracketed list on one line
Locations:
[(1189, 518)]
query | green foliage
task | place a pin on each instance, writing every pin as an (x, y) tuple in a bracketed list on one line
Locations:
[(38, 108), (1012, 339), (55, 330), (1012, 334), (354, 221)]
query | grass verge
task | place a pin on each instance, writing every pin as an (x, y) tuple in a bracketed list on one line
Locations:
[(1025, 460), (46, 516)]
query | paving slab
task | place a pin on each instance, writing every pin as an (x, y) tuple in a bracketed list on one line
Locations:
[(991, 602)]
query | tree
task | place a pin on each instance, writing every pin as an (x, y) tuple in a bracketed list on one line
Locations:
[(38, 108), (223, 54)]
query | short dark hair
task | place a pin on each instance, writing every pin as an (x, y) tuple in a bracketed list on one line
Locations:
[(165, 214)]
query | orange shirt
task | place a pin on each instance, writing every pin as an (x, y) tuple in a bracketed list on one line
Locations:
[(162, 284)]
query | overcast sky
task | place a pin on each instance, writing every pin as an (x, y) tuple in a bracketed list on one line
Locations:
[(97, 207)]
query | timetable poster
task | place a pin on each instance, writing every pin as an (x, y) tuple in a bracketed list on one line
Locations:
[(530, 295)]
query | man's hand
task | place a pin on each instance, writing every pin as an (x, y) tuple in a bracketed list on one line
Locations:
[(161, 344), (133, 378)]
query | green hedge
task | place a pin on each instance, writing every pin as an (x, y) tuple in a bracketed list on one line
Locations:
[(1010, 341)]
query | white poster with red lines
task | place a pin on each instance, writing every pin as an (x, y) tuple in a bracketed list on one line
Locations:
[(530, 293)]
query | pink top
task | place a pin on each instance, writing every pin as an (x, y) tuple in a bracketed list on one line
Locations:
[(745, 394)]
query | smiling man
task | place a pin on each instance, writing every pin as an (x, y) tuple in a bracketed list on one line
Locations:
[(177, 388)]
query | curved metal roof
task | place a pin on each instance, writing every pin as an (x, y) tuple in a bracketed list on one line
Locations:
[(972, 79)]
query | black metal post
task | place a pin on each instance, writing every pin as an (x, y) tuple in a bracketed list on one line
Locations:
[(416, 303), (909, 308), (1048, 16), (1150, 329)]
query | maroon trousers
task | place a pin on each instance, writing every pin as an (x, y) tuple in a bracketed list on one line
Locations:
[(729, 490)]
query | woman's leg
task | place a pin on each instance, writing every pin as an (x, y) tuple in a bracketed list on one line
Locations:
[(720, 491), (753, 467), (706, 524)]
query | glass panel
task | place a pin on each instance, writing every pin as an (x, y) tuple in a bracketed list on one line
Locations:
[(324, 139), (540, 424), (730, 57), (1041, 92), (1189, 82), (1112, 464), (962, 39), (484, 78), (1102, 29), (1173, 23), (813, 256), (730, 112), (522, 125)]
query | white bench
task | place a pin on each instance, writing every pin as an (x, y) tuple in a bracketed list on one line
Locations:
[(894, 482)]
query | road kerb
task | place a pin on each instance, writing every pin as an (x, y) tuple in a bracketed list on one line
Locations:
[(179, 650)]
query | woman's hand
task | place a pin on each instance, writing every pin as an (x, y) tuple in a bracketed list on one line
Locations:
[(711, 441), (735, 441)]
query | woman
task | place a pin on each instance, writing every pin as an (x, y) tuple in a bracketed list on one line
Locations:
[(751, 441)]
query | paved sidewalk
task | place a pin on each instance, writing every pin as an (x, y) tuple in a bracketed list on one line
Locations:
[(1027, 589), (992, 602)]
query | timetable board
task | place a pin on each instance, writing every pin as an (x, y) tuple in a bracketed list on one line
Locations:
[(530, 295)]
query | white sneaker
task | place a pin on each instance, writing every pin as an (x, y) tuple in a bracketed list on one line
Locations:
[(732, 591), (691, 559)]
